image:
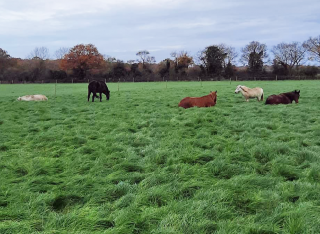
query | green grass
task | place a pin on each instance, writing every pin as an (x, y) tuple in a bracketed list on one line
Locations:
[(139, 164)]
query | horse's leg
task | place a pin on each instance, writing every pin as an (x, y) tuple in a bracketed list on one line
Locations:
[(89, 95), (93, 96), (100, 97)]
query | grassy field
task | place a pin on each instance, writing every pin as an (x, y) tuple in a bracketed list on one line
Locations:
[(139, 164)]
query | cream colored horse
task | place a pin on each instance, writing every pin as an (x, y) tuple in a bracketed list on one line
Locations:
[(250, 93), (36, 97)]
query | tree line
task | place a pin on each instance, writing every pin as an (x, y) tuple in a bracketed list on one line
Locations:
[(215, 62)]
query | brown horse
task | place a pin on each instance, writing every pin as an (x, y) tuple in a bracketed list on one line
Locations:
[(284, 98), (205, 101)]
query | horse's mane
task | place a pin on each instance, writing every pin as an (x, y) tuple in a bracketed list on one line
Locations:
[(244, 88)]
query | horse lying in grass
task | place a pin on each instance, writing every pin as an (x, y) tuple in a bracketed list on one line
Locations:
[(36, 97), (98, 87), (205, 101), (250, 93), (284, 98)]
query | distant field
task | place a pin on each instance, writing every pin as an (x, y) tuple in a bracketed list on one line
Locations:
[(139, 164)]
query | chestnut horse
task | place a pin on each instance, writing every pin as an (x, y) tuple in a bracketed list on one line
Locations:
[(284, 98), (205, 101)]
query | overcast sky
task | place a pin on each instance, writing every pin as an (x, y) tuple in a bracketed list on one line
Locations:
[(120, 28)]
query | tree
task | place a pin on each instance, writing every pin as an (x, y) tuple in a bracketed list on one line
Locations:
[(230, 52), (211, 60), (82, 58), (40, 53), (61, 52), (5, 61), (145, 58), (313, 47), (229, 70), (289, 55), (182, 60), (253, 47), (255, 62)]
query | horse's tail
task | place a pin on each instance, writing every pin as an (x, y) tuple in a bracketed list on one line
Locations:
[(262, 96)]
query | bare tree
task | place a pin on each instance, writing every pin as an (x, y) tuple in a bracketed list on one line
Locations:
[(40, 53), (61, 52), (231, 54), (289, 55), (253, 47), (313, 48), (143, 54), (145, 58), (151, 59)]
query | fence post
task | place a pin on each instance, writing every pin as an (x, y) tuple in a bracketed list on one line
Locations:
[(55, 90), (12, 81)]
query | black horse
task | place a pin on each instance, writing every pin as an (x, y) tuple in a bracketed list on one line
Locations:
[(95, 87), (284, 98)]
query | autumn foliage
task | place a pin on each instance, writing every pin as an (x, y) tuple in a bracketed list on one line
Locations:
[(81, 59)]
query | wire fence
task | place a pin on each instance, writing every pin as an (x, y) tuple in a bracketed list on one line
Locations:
[(133, 80)]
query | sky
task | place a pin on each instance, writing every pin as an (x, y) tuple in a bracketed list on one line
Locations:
[(121, 28)]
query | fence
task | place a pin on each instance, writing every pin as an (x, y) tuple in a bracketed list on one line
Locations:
[(113, 80)]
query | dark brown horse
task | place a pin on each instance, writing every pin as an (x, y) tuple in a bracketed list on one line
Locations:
[(284, 98), (205, 101), (95, 87)]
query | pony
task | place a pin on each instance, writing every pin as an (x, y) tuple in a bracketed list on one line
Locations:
[(36, 97), (95, 87), (250, 93), (284, 98), (204, 101)]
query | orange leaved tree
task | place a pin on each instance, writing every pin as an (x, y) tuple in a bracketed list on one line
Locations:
[(81, 59)]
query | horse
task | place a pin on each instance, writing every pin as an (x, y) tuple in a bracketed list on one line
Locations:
[(95, 87), (36, 97), (204, 101), (250, 93), (284, 98)]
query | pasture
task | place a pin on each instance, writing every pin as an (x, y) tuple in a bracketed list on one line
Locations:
[(139, 164)]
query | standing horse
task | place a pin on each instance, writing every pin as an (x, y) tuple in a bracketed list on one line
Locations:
[(205, 101), (250, 93), (284, 98), (95, 87)]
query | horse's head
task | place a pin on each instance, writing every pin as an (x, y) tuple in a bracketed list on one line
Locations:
[(214, 96), (296, 95), (238, 89), (19, 99), (108, 94)]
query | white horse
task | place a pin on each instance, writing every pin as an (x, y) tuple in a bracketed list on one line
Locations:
[(36, 97), (250, 93)]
